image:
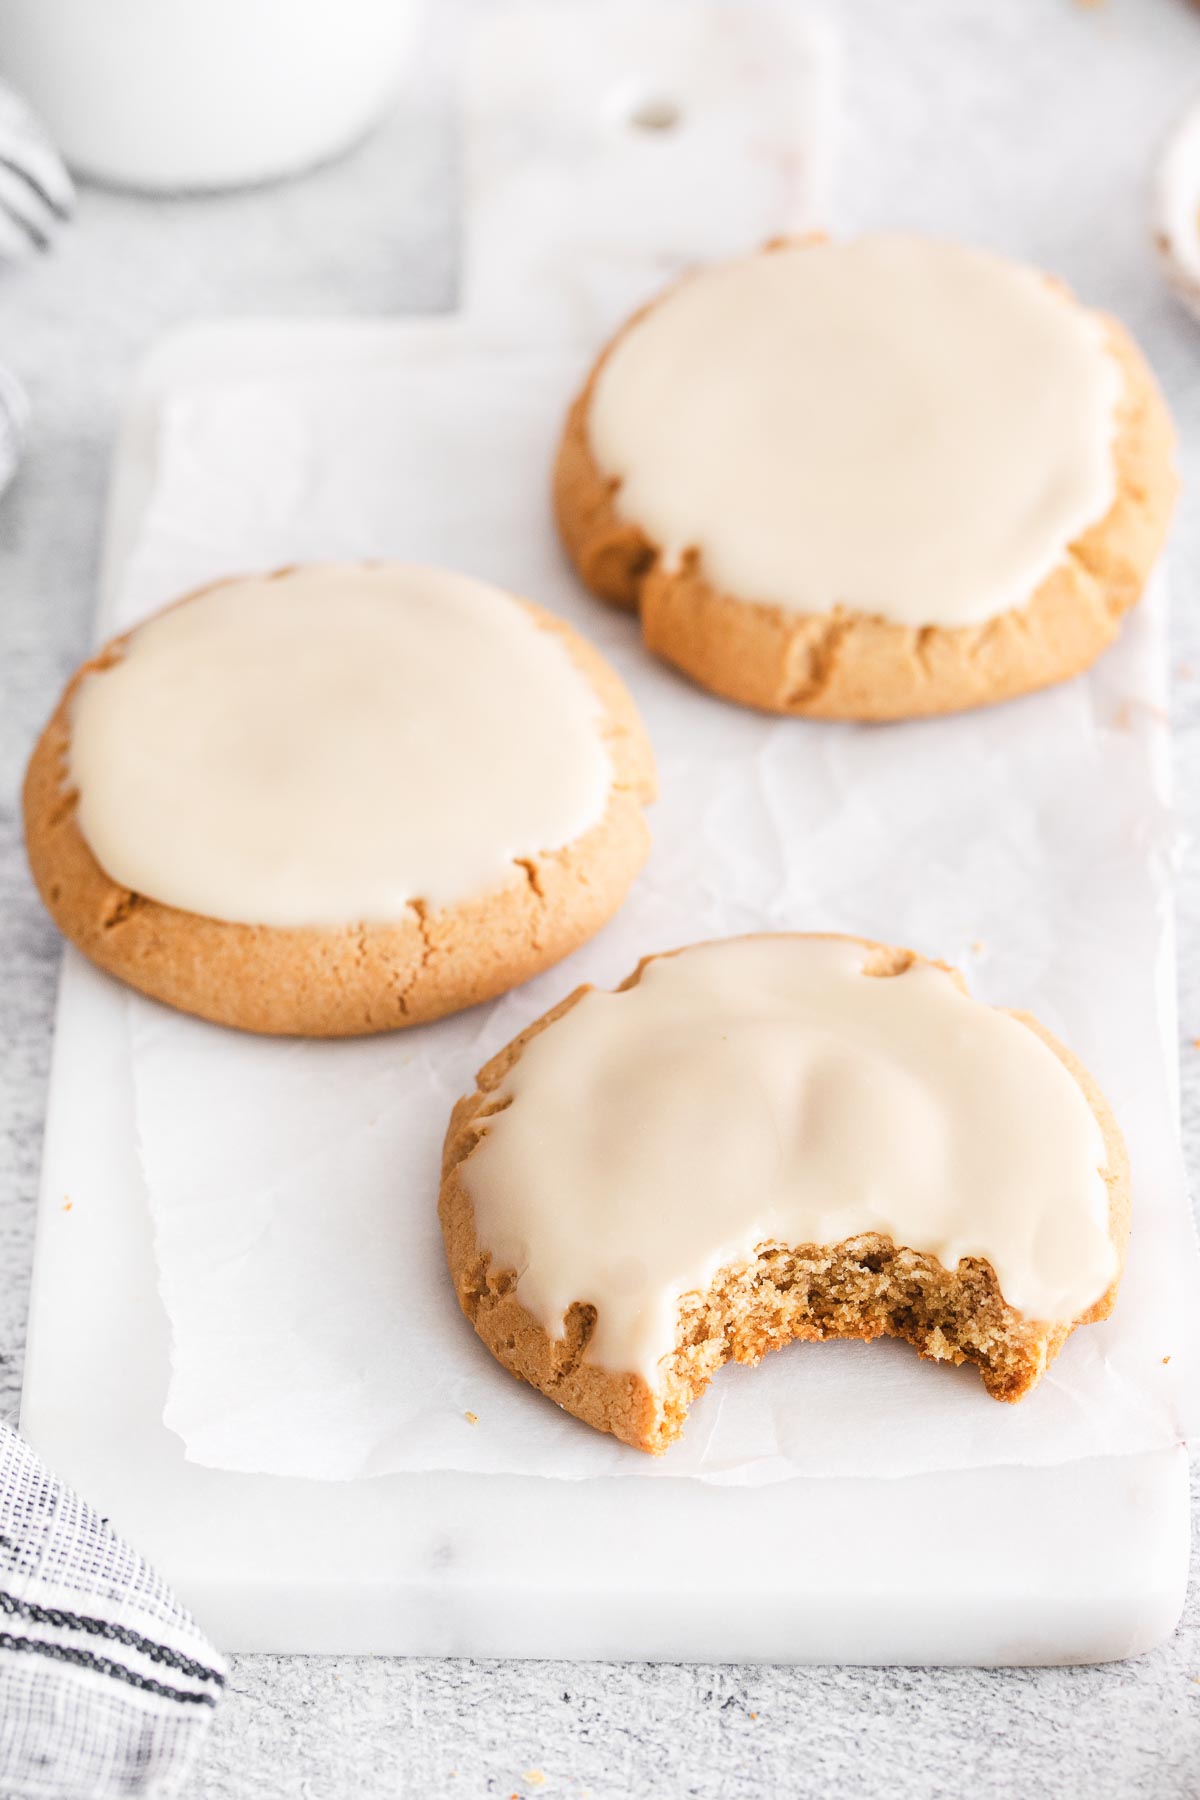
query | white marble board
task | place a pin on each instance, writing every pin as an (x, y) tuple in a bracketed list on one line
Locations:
[(1075, 1563)]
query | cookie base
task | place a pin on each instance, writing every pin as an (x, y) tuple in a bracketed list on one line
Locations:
[(864, 1288), (351, 980), (848, 665)]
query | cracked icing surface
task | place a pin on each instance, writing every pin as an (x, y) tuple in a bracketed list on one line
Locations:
[(865, 643), (771, 1138), (773, 1089), (546, 854), (328, 745), (895, 426)]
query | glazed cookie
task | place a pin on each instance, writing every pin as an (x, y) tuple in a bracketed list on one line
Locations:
[(869, 480), (337, 800), (776, 1138)]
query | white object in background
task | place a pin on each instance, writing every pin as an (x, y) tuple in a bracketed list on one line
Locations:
[(608, 149), (1176, 208), (177, 95)]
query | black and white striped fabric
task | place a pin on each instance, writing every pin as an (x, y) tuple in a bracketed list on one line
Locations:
[(37, 196), (107, 1685)]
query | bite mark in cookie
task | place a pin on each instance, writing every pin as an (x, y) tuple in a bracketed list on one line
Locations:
[(772, 1138)]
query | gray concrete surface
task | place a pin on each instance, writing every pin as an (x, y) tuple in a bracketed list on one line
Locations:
[(1029, 124)]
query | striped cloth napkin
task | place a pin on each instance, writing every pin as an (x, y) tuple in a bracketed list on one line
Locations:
[(107, 1685)]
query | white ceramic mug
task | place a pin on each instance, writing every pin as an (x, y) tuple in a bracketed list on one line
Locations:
[(172, 95)]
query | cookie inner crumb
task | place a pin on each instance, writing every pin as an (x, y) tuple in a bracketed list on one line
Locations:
[(864, 1288)]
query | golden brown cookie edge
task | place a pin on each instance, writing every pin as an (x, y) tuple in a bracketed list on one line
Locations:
[(622, 1403), (353, 980), (846, 665)]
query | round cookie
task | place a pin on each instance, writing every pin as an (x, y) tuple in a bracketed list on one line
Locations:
[(338, 799), (871, 480), (774, 1138)]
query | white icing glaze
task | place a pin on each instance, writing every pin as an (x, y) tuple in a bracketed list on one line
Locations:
[(896, 426), (765, 1090), (321, 748)]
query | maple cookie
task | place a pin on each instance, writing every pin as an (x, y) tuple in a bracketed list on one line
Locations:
[(338, 799), (869, 480), (775, 1138)]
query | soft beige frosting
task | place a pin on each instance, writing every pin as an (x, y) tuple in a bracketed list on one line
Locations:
[(321, 748), (896, 426), (765, 1090)]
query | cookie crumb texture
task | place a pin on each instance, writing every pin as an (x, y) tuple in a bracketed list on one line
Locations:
[(350, 980), (848, 664), (863, 1288)]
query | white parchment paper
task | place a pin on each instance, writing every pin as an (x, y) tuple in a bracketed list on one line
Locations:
[(293, 1185)]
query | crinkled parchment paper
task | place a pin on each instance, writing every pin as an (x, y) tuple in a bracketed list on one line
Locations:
[(293, 1185)]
